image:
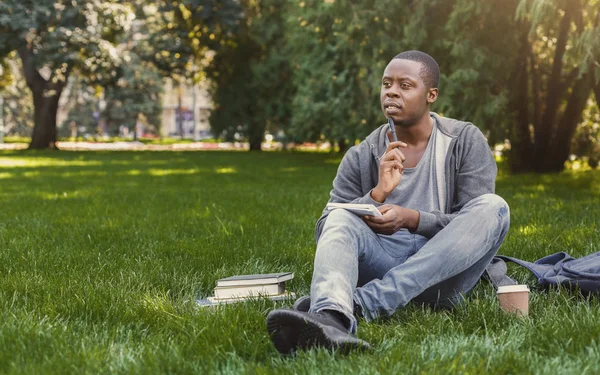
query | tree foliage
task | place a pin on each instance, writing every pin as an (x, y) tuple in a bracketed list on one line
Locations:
[(83, 104), (541, 62), (135, 97), (586, 141), (507, 65), (477, 45), (56, 37), (181, 31), (339, 50), (18, 104), (250, 75), (523, 70)]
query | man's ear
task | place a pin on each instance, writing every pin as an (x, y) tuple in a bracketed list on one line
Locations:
[(432, 95)]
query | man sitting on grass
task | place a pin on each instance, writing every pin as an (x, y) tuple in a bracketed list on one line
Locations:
[(441, 223)]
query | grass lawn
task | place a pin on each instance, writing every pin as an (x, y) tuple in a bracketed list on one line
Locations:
[(102, 256)]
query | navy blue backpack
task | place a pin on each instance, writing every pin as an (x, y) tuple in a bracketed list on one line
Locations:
[(556, 269)]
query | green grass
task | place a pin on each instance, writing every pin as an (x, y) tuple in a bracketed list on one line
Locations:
[(16, 139), (102, 256)]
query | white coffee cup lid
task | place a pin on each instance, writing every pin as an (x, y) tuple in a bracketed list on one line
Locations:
[(513, 288)]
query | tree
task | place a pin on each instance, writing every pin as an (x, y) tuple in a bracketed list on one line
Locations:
[(250, 76), (586, 141), (135, 96), (180, 34), (182, 31), (6, 75), (83, 100), (53, 38), (339, 50), (17, 105), (506, 65), (535, 74), (477, 46), (560, 86)]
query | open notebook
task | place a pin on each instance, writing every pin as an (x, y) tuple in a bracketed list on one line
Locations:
[(355, 208)]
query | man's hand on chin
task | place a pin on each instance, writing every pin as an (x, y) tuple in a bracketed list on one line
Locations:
[(394, 218)]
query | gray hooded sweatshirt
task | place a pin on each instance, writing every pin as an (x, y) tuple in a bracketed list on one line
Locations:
[(465, 169)]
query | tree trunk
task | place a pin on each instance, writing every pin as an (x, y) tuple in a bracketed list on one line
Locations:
[(44, 130), (558, 147), (255, 145), (255, 141), (46, 94), (521, 154), (179, 110), (256, 134), (553, 123), (342, 145), (545, 128), (135, 128), (570, 118)]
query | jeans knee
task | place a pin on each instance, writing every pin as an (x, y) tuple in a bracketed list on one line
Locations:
[(340, 218), (496, 205), (343, 227), (490, 205)]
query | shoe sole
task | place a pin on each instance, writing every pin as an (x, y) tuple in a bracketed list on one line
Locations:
[(291, 331)]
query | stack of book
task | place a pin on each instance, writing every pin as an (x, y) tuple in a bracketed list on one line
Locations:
[(243, 287)]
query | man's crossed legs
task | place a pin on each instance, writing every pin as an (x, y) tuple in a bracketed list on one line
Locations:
[(379, 273)]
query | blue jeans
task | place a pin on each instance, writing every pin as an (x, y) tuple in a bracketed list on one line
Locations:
[(383, 273)]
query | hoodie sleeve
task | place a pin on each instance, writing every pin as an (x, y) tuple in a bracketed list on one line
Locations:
[(348, 186), (475, 176)]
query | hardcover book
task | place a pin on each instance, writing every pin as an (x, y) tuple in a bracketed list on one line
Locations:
[(212, 301), (258, 279), (249, 290)]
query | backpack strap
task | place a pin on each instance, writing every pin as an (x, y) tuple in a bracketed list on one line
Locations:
[(537, 269), (541, 266), (495, 273)]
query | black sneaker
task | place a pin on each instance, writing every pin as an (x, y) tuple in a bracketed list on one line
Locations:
[(303, 304), (292, 330)]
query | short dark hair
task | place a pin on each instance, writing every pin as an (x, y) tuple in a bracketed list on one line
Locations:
[(430, 71)]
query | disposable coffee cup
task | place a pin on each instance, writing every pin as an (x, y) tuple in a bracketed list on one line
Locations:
[(514, 299)]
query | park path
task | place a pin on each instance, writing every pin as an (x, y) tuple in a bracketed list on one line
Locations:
[(139, 146), (133, 146)]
